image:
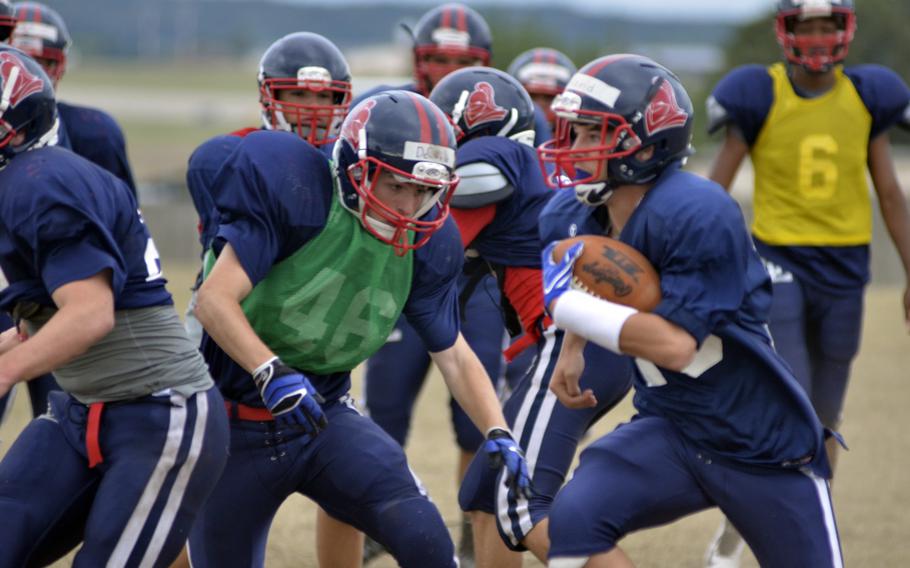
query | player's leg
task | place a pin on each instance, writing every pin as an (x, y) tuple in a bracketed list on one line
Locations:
[(45, 488), (360, 476), (549, 433), (645, 465), (785, 515), (263, 468), (162, 455), (789, 326), (837, 326), (338, 544)]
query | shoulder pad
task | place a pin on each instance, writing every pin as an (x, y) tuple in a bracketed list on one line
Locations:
[(481, 184), (718, 117)]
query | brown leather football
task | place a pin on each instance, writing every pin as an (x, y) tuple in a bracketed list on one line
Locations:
[(614, 271)]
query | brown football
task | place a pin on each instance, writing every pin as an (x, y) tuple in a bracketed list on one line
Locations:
[(614, 271)]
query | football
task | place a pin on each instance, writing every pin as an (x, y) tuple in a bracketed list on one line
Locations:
[(614, 271)]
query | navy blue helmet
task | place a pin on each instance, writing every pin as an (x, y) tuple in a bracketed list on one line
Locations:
[(304, 61), (403, 134), (483, 101), (28, 111), (447, 38), (637, 104), (41, 33)]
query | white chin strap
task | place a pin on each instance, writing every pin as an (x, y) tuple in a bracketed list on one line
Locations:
[(49, 138), (525, 137)]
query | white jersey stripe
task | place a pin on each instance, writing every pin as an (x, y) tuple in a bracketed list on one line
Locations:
[(824, 500), (121, 554), (174, 500)]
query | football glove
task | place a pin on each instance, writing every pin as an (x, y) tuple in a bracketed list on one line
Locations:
[(503, 452), (289, 396), (557, 275)]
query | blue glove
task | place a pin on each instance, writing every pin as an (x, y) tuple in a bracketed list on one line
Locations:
[(503, 451), (290, 397), (557, 275)]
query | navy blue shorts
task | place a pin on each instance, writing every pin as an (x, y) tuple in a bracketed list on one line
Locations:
[(644, 474)]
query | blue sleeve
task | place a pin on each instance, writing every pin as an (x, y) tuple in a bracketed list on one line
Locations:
[(742, 98), (885, 95), (96, 136), (273, 195), (432, 307), (542, 131), (204, 163), (704, 266)]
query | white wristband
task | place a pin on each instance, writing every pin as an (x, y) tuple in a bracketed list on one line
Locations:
[(594, 319)]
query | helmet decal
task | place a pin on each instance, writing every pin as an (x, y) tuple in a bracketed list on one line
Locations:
[(357, 120), (482, 107), (663, 111), (17, 82)]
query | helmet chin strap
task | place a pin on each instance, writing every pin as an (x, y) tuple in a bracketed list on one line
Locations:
[(49, 138), (593, 194)]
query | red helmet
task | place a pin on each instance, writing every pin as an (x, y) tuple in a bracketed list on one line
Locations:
[(816, 54), (452, 30)]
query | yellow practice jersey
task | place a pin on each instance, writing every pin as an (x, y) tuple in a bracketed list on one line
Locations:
[(810, 167)]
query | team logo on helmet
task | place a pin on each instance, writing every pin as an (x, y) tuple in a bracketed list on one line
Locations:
[(17, 82), (663, 111), (482, 106), (350, 131)]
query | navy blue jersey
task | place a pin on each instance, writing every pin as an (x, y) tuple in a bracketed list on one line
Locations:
[(95, 135), (274, 193), (63, 219), (738, 399), (745, 98), (511, 238), (565, 217), (204, 163)]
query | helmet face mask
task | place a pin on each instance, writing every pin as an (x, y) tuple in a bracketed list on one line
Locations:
[(304, 87), (403, 139), (446, 39), (815, 52), (633, 118)]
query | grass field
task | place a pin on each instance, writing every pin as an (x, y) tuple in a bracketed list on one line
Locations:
[(871, 493)]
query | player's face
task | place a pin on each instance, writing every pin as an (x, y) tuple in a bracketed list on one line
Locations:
[(403, 198), (544, 101), (438, 65), (306, 98), (585, 135), (815, 30), (50, 67)]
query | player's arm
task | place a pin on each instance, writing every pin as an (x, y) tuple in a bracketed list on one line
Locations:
[(85, 314), (470, 385), (218, 309), (566, 374), (731, 154), (893, 206)]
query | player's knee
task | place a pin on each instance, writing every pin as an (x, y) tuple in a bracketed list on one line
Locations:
[(415, 534), (574, 525)]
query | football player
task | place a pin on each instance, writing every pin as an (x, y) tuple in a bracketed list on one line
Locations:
[(306, 285), (544, 72), (496, 205), (813, 129), (722, 421), (446, 38), (128, 451)]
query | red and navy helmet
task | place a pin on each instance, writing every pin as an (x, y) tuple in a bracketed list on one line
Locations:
[(449, 31), (637, 104), (41, 33), (404, 134), (27, 105), (304, 61), (544, 72), (483, 101), (7, 20), (815, 53)]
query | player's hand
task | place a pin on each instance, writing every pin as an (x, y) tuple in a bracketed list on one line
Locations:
[(289, 396), (565, 380), (557, 275), (9, 339), (503, 451)]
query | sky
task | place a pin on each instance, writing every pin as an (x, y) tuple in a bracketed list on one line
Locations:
[(659, 9)]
